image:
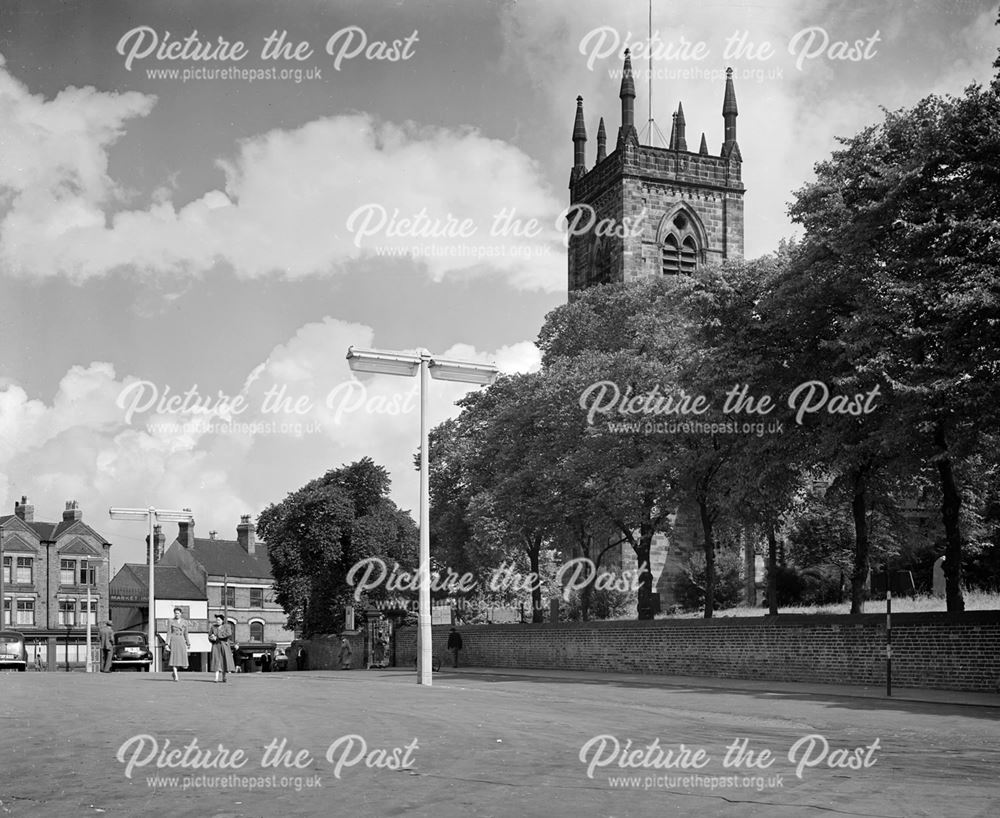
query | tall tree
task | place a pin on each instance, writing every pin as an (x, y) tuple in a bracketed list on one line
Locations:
[(905, 216), (320, 531)]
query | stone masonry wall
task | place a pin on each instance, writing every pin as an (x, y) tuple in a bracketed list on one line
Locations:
[(945, 651)]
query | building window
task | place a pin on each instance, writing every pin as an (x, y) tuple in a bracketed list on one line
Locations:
[(67, 572), (256, 597), (84, 615), (24, 572), (6, 570), (256, 631), (600, 263), (680, 248), (229, 596), (88, 573), (67, 612), (6, 611), (25, 611)]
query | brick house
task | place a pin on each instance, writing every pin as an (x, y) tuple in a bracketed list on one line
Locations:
[(49, 569), (242, 568)]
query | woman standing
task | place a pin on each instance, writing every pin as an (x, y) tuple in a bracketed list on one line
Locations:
[(178, 643), (220, 635)]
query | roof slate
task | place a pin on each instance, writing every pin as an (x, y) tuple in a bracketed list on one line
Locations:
[(222, 557), (171, 582)]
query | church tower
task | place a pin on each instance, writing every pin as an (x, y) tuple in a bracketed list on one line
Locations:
[(682, 209)]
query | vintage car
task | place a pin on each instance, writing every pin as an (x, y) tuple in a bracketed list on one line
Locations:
[(13, 653), (131, 650)]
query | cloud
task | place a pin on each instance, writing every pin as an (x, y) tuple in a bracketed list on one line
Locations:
[(106, 439), (302, 202), (788, 118)]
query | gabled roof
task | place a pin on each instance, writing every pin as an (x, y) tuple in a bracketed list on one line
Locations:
[(171, 583), (78, 546), (221, 557), (50, 532), (43, 530)]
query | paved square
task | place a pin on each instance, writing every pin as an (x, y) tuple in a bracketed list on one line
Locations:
[(487, 744)]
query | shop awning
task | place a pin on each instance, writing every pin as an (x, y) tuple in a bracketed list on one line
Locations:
[(199, 642)]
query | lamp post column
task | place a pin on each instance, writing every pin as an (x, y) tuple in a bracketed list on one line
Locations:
[(151, 636), (424, 601)]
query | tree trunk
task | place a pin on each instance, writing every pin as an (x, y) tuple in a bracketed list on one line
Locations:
[(586, 592), (859, 508), (535, 545), (951, 505), (646, 608), (772, 570), (706, 525), (749, 569)]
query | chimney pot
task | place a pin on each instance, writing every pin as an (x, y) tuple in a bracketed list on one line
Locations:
[(245, 535), (24, 510), (185, 533), (72, 512)]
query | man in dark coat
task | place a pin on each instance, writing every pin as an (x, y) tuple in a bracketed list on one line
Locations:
[(106, 635), (455, 644)]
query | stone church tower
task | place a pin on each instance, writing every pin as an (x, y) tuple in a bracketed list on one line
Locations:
[(681, 209)]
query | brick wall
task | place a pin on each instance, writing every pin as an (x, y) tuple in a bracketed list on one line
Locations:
[(945, 651)]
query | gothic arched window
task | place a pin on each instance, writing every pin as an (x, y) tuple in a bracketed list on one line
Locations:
[(680, 250), (600, 262)]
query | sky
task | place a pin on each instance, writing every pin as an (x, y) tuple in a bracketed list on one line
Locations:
[(204, 204)]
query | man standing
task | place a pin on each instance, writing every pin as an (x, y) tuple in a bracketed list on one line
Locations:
[(455, 644), (107, 638)]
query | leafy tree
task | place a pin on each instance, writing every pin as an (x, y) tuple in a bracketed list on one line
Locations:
[(318, 532), (904, 217), (690, 585)]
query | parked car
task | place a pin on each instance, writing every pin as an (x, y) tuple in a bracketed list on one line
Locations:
[(13, 653), (131, 650)]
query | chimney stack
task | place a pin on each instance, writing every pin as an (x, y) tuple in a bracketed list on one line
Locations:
[(185, 533), (159, 544), (24, 510), (245, 535), (72, 512)]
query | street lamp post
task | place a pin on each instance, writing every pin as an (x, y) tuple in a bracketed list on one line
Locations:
[(152, 516), (410, 364)]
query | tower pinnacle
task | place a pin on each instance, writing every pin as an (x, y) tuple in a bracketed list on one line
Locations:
[(627, 95), (729, 114), (579, 143)]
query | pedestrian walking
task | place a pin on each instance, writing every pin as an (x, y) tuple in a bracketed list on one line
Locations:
[(454, 644), (221, 660), (346, 654), (106, 635), (178, 643)]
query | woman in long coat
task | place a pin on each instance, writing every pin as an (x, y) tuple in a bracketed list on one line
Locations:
[(221, 660), (178, 643)]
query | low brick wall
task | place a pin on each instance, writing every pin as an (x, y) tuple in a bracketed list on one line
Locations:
[(958, 651)]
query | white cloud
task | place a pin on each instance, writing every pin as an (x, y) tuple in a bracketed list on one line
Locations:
[(288, 200), (788, 118), (305, 412)]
